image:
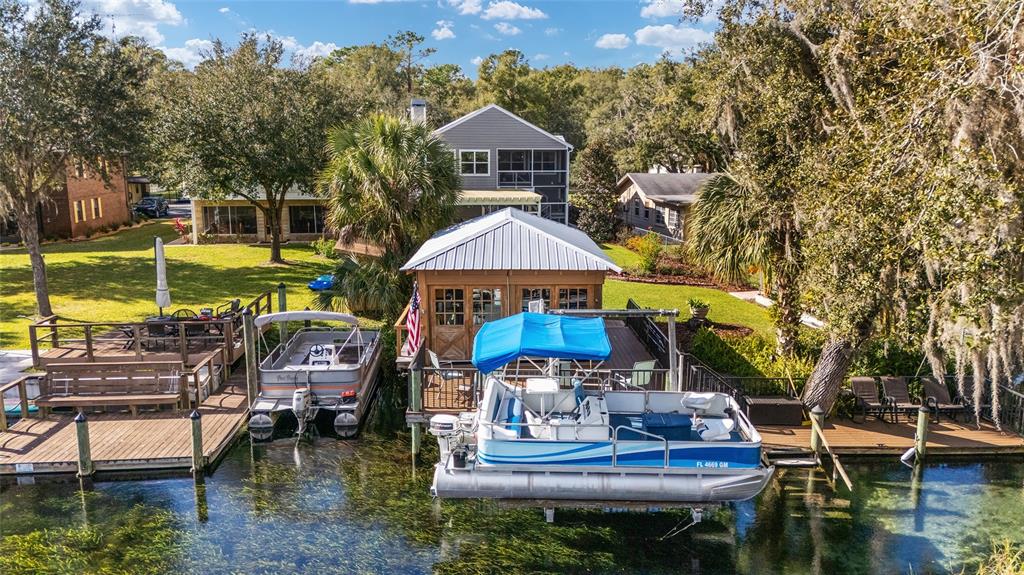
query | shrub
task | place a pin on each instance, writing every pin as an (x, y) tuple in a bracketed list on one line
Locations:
[(183, 228), (324, 247), (649, 248), (698, 303), (749, 356)]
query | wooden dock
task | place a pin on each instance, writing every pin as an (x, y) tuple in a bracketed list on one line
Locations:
[(157, 440), (875, 437)]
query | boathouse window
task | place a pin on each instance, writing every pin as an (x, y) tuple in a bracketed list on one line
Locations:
[(474, 162), (306, 219), (449, 306), (572, 298), (230, 220), (532, 294), (486, 305)]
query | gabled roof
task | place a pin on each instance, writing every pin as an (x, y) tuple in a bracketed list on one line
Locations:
[(561, 140), (510, 239), (676, 188)]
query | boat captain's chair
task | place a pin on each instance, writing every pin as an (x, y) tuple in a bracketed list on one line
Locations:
[(592, 421), (713, 419)]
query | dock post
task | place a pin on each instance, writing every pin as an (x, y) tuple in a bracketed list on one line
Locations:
[(921, 439), (249, 339), (415, 429), (197, 442), (817, 416), (202, 508), (673, 355), (282, 305), (85, 467)]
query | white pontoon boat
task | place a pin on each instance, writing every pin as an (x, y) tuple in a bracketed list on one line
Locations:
[(318, 369), (550, 439)]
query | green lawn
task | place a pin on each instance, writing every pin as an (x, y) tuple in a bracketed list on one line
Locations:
[(724, 307), (621, 255), (113, 278)]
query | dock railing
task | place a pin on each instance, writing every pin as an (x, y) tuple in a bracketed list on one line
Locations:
[(54, 341), (21, 384)]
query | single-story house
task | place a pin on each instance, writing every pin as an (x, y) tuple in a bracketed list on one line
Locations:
[(493, 266), (659, 202), (235, 217)]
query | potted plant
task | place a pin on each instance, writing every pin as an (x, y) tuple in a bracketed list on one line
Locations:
[(698, 308)]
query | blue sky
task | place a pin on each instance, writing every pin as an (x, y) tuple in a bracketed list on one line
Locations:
[(586, 33)]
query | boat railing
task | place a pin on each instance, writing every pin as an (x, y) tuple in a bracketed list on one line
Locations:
[(615, 443)]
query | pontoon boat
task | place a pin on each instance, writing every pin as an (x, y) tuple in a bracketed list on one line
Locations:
[(550, 438), (318, 369)]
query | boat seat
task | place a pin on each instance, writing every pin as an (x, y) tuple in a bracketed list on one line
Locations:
[(535, 427), (715, 428), (706, 403)]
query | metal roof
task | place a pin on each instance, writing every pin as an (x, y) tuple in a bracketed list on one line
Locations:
[(677, 188), (497, 197), (510, 239)]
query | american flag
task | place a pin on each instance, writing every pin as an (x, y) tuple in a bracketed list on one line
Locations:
[(412, 323)]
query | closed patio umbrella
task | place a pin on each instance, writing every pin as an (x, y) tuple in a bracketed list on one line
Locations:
[(163, 295)]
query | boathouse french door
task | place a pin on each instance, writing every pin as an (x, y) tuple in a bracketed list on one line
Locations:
[(487, 305), (449, 336)]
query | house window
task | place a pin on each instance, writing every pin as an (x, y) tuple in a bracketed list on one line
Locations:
[(659, 215), (486, 305), (449, 307), (79, 211), (572, 298), (230, 220), (673, 219), (513, 160), (474, 162), (537, 293), (514, 180), (547, 160), (97, 207), (647, 213), (636, 207), (306, 219)]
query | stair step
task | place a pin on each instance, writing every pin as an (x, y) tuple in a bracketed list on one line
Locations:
[(810, 462)]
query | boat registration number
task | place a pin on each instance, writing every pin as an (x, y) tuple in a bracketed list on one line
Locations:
[(713, 464)]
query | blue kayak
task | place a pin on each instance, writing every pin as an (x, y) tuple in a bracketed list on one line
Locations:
[(324, 282)]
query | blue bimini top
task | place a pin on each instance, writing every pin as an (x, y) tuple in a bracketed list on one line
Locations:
[(539, 335)]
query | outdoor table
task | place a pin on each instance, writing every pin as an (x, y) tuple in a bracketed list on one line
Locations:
[(543, 386)]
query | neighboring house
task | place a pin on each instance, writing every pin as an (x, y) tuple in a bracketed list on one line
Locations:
[(235, 218), (83, 202), (506, 161), (493, 266), (659, 202)]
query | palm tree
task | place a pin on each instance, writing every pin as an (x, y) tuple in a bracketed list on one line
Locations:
[(736, 228), (390, 183)]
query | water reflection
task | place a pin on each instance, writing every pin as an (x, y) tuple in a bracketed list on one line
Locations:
[(331, 506)]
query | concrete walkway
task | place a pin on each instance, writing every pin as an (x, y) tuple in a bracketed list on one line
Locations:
[(12, 363), (754, 296)]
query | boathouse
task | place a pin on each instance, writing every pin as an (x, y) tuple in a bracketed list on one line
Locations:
[(493, 266)]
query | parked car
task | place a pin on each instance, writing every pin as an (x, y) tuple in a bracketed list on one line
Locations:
[(152, 207)]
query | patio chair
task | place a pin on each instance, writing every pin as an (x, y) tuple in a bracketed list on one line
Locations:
[(898, 396), (865, 395), (640, 377), (446, 373), (937, 399)]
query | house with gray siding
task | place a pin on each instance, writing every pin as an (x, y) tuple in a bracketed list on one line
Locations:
[(506, 161), (659, 202)]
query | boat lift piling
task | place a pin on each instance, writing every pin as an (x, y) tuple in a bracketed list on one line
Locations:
[(249, 340), (197, 443), (921, 438), (85, 467), (282, 305)]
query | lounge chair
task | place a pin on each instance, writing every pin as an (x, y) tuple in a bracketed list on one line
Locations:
[(937, 399), (897, 394), (865, 395), (640, 377)]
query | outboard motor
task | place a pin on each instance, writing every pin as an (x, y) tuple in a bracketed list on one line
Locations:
[(300, 402), (448, 431)]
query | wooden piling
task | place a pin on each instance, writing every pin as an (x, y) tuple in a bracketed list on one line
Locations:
[(251, 366), (921, 438), (282, 305), (197, 443), (818, 416), (85, 467)]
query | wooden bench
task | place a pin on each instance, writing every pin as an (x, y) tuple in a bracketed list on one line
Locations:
[(81, 385)]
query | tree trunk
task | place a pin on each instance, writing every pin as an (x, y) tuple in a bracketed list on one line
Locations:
[(786, 315), (28, 228), (827, 377), (273, 215)]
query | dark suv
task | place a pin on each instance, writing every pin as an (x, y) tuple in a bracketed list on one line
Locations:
[(152, 207)]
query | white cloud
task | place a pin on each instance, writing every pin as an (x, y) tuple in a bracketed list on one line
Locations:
[(443, 30), (136, 17), (317, 49), (506, 29), (613, 41), (552, 31), (466, 6), (655, 9), (191, 53), (541, 56), (671, 37), (224, 10), (508, 10), (476, 61)]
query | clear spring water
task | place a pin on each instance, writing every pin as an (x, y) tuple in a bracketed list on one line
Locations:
[(357, 507)]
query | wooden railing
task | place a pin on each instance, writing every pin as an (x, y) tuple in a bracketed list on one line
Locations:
[(139, 341), (401, 330), (22, 384), (1011, 410)]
